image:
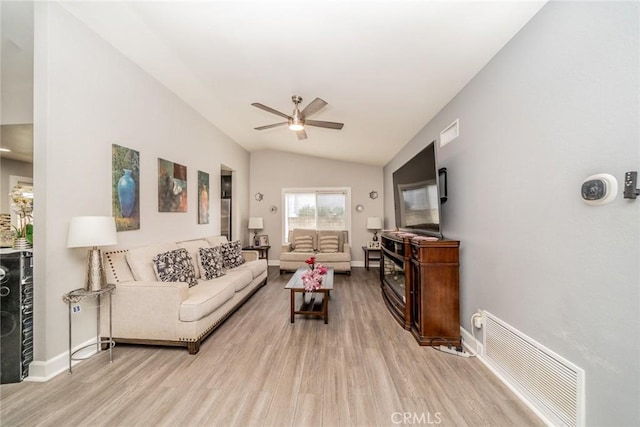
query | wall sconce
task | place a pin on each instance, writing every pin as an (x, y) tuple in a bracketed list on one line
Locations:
[(259, 196), (373, 195)]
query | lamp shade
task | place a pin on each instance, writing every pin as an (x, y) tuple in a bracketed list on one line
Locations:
[(256, 223), (89, 231), (374, 223)]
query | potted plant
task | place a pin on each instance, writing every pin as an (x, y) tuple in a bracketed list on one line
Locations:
[(22, 205)]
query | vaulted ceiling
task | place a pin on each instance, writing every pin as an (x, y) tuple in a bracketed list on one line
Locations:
[(385, 68)]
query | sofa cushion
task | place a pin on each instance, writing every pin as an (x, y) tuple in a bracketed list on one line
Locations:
[(232, 254), (328, 244), (242, 277), (335, 257), (303, 244), (192, 246), (216, 240), (341, 234), (256, 267), (210, 262), (207, 297), (117, 269), (140, 260), (295, 256), (175, 266)]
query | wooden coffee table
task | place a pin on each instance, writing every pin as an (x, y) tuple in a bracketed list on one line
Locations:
[(317, 304)]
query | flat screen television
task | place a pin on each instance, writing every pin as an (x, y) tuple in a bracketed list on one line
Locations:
[(416, 194)]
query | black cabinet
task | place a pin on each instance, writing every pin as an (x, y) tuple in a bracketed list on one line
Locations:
[(16, 309)]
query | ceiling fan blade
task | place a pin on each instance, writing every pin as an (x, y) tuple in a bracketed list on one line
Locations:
[(301, 135), (322, 124), (313, 107), (271, 126), (271, 110)]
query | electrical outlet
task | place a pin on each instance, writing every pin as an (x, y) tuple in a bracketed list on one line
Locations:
[(477, 320), (75, 309)]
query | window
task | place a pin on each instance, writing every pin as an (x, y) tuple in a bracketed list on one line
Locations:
[(320, 209)]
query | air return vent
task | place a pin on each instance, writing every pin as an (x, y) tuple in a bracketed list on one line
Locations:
[(450, 133), (551, 384)]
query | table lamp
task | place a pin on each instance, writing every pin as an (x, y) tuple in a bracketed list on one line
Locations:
[(374, 223), (91, 232), (256, 224)]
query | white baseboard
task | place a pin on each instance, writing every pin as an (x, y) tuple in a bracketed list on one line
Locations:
[(470, 342), (40, 372)]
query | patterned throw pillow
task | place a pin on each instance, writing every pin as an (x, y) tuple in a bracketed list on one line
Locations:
[(175, 266), (303, 244), (232, 254), (329, 244), (211, 262)]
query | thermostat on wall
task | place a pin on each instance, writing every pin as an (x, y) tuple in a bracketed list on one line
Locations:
[(599, 189)]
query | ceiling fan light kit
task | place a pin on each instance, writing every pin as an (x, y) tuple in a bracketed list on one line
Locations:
[(296, 125), (297, 120)]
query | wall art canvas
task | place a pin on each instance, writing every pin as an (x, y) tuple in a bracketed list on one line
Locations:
[(203, 197), (125, 187), (172, 187)]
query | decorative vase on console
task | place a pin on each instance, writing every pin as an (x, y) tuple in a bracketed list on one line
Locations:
[(126, 193)]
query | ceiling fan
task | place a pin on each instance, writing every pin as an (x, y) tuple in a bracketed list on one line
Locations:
[(298, 119)]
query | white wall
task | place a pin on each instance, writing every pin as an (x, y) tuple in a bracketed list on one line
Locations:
[(87, 97), (557, 104), (16, 78), (271, 171)]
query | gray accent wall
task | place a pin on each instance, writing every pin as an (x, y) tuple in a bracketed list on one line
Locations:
[(560, 102)]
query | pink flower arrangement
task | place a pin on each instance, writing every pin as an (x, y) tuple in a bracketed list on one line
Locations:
[(312, 279), (311, 262)]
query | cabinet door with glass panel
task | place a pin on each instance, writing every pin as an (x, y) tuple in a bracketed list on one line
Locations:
[(393, 276)]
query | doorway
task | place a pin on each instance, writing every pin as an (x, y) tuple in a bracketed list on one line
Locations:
[(226, 195)]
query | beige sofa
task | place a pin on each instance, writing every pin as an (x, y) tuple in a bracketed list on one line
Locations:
[(291, 258), (148, 311)]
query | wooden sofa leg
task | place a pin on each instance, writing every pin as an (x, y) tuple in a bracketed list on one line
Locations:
[(193, 347)]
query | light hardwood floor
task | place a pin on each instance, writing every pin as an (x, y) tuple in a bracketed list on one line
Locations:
[(259, 369)]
